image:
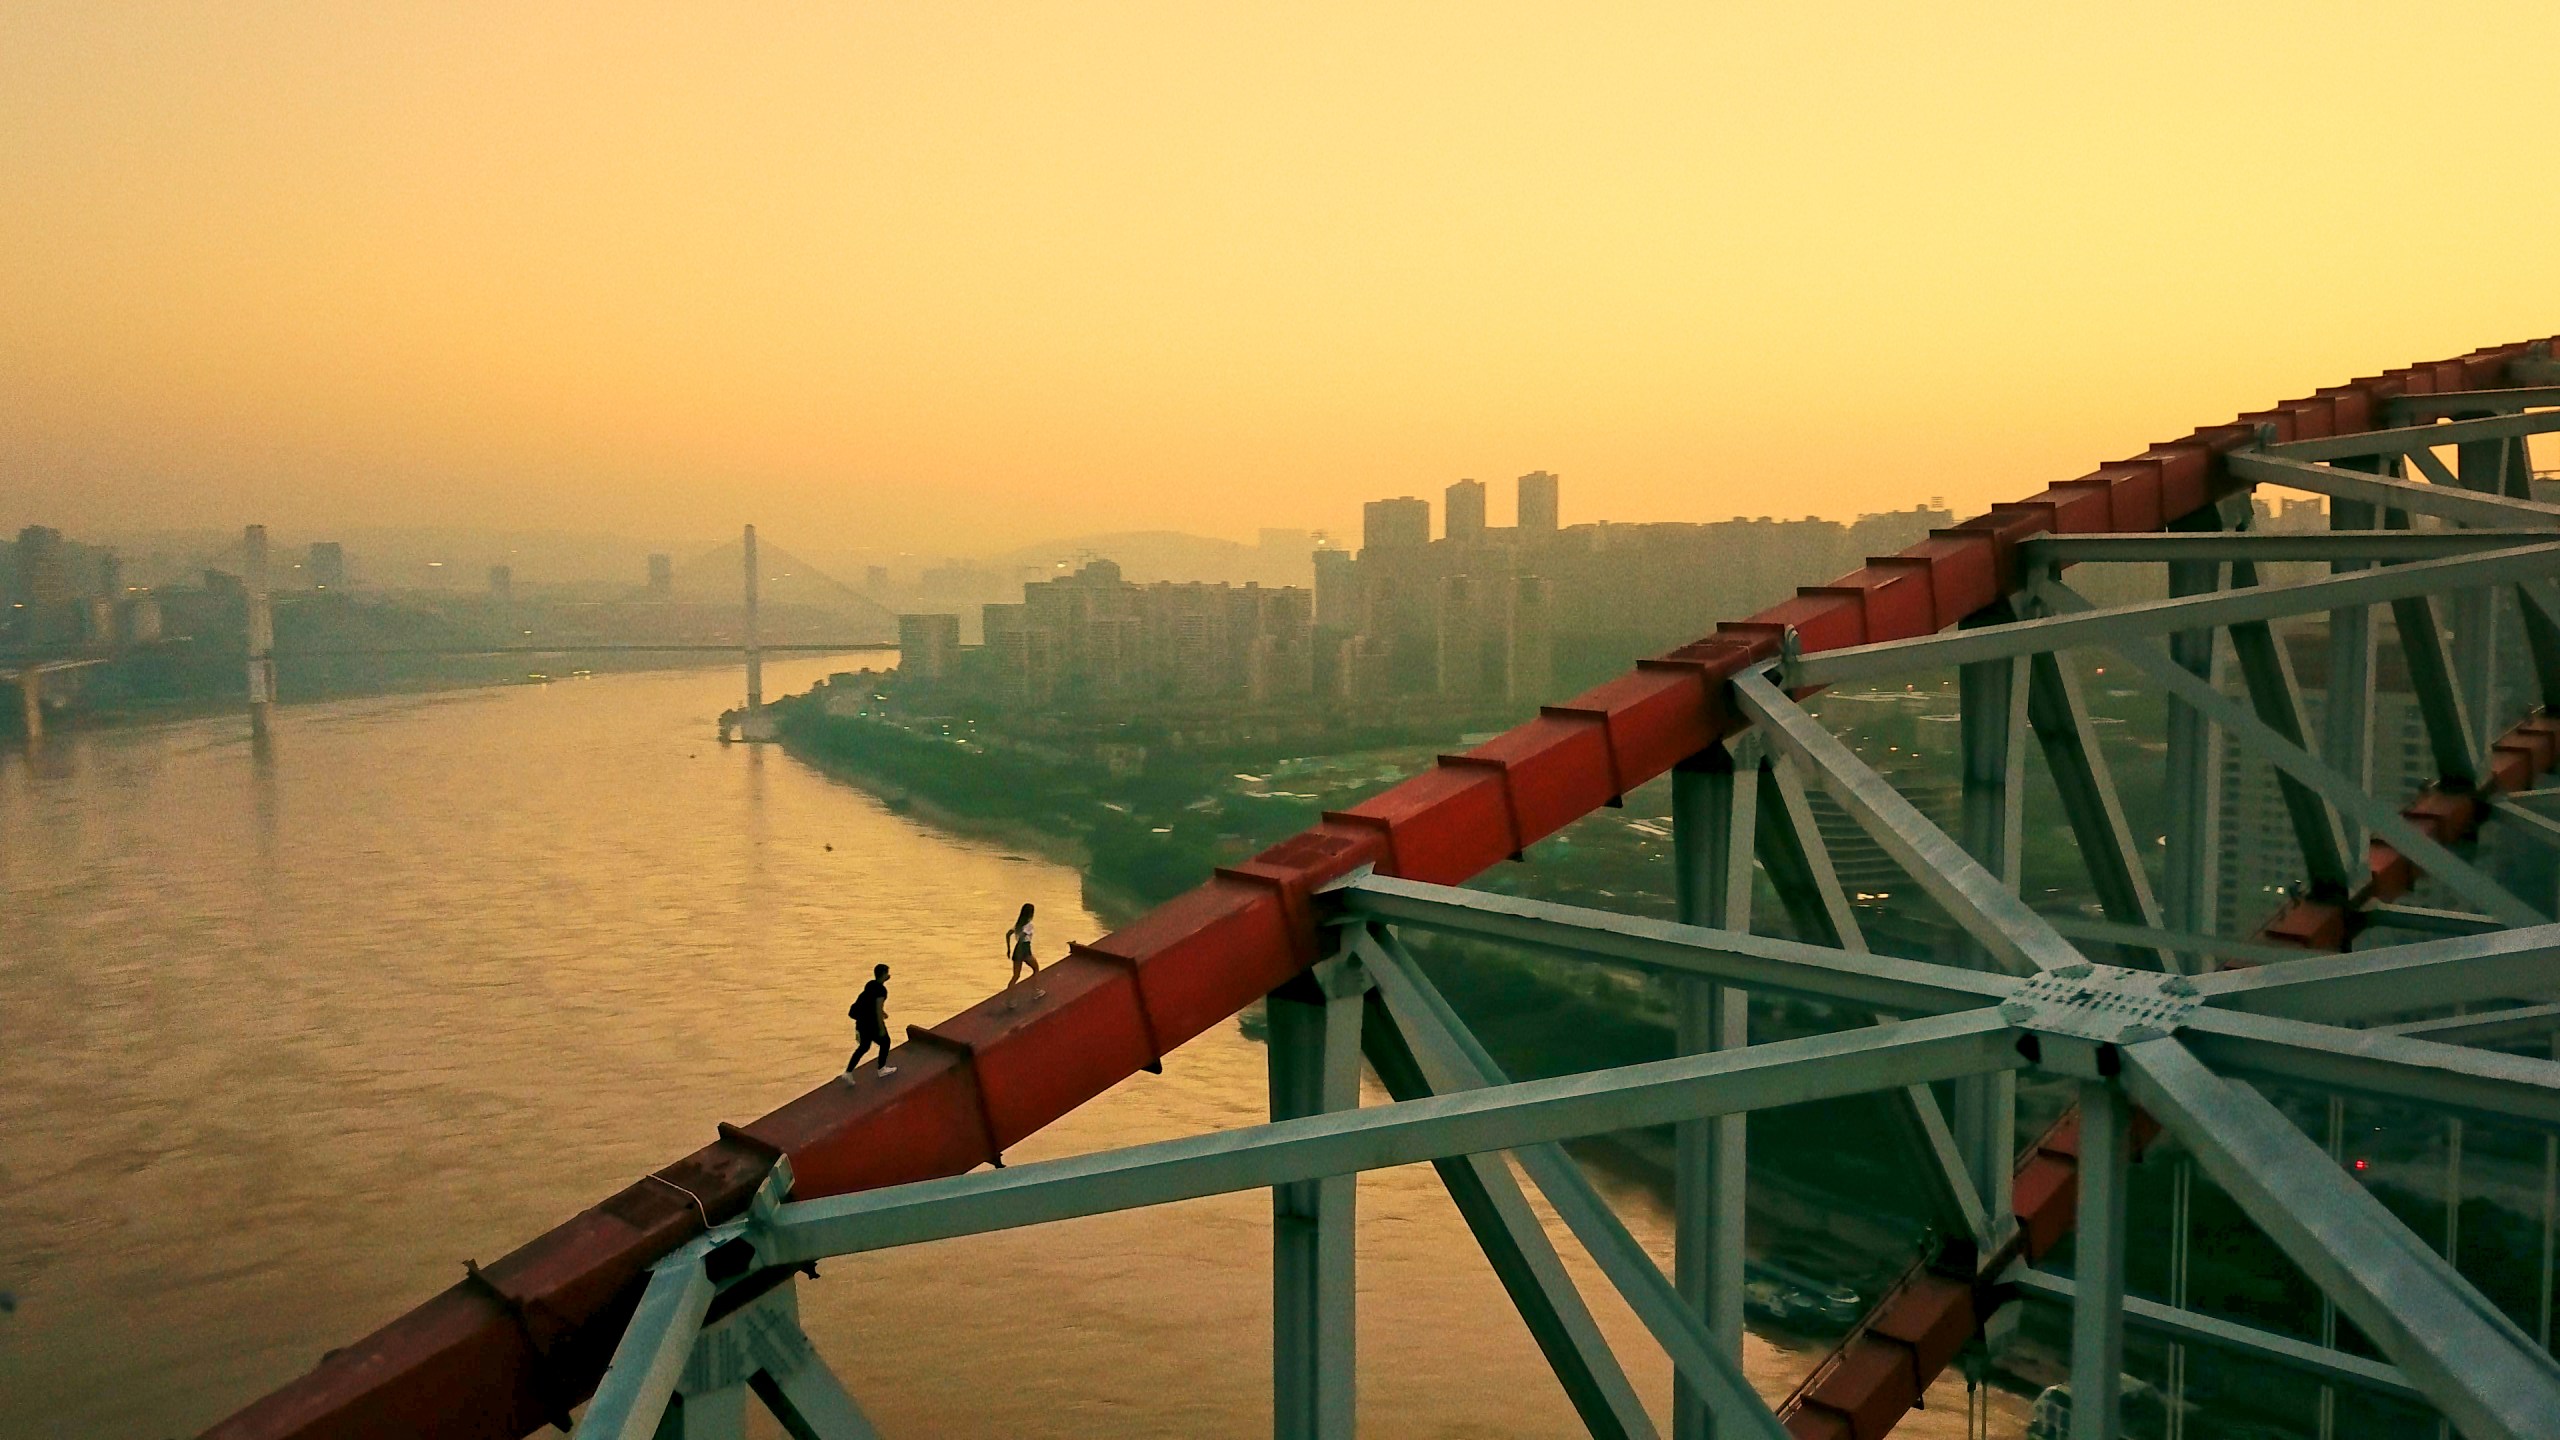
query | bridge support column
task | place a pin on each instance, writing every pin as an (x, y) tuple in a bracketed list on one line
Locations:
[(2481, 466), (1714, 801), (31, 701), (2097, 1301), (1992, 726), (1315, 1067), (262, 634), (2194, 798)]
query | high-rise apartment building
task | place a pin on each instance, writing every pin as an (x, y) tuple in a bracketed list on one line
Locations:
[(324, 565), (44, 567), (1093, 636), (1529, 655), (928, 646), (1403, 523), (1337, 590), (1462, 511), (1490, 615), (1540, 510), (502, 582), (662, 577)]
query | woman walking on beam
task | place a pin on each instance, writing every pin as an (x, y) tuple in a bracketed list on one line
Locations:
[(1017, 947)]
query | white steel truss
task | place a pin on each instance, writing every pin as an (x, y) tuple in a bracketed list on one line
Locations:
[(2183, 1039)]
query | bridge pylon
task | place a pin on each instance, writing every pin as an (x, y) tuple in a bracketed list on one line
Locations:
[(262, 634)]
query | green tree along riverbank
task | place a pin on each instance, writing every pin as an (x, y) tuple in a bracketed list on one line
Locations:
[(1831, 1198)]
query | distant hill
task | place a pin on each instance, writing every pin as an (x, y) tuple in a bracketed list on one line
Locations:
[(1146, 556)]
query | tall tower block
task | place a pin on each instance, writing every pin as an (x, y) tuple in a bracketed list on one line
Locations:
[(1538, 508), (1462, 511)]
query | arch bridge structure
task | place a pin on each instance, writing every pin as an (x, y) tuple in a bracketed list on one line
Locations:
[(669, 1307)]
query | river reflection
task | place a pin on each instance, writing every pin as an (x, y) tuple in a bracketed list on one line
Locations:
[(286, 1035)]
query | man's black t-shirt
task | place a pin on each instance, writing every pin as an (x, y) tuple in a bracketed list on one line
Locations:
[(867, 1007)]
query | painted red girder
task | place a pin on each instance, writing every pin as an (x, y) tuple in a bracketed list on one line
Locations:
[(517, 1344)]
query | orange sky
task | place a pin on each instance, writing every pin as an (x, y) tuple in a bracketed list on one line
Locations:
[(952, 277)]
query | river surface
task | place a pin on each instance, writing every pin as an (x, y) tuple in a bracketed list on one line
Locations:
[(285, 1037)]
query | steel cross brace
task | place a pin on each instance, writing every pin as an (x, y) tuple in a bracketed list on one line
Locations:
[(2254, 1344), (1452, 1061), (2154, 618), (2475, 1364), (1800, 868), (2046, 552), (2266, 669), (2444, 499), (1506, 1117), (2016, 938), (2416, 438), (2060, 719), (1884, 984), (2474, 402), (2369, 984), (675, 1378), (1515, 1242), (2239, 724)]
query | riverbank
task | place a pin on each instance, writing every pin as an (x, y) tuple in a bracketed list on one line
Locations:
[(1115, 906), (129, 713), (1830, 1209)]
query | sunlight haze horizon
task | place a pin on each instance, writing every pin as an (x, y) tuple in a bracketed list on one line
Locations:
[(959, 278)]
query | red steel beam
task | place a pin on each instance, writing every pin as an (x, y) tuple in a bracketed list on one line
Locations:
[(514, 1346)]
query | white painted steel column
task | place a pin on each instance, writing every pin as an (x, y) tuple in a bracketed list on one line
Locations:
[(1714, 800), (2194, 794), (2328, 1415), (2550, 1215), (2346, 716), (2482, 467), (1315, 1068), (2181, 1243), (2097, 1301), (1992, 725), (262, 633)]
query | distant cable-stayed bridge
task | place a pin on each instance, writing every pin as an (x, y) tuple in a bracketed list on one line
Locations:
[(264, 655)]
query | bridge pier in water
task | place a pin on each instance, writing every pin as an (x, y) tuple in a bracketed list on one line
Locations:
[(31, 702), (262, 635)]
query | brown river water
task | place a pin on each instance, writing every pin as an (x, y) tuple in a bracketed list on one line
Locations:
[(286, 1037)]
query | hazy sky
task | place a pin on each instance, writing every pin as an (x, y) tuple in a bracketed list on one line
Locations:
[(953, 277)]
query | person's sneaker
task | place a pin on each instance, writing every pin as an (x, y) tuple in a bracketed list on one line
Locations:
[(1039, 994), (888, 1069), (848, 1078)]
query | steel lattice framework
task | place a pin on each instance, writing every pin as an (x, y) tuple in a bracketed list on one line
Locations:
[(672, 1302)]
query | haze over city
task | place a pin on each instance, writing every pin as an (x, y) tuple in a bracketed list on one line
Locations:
[(1392, 720), (946, 279)]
